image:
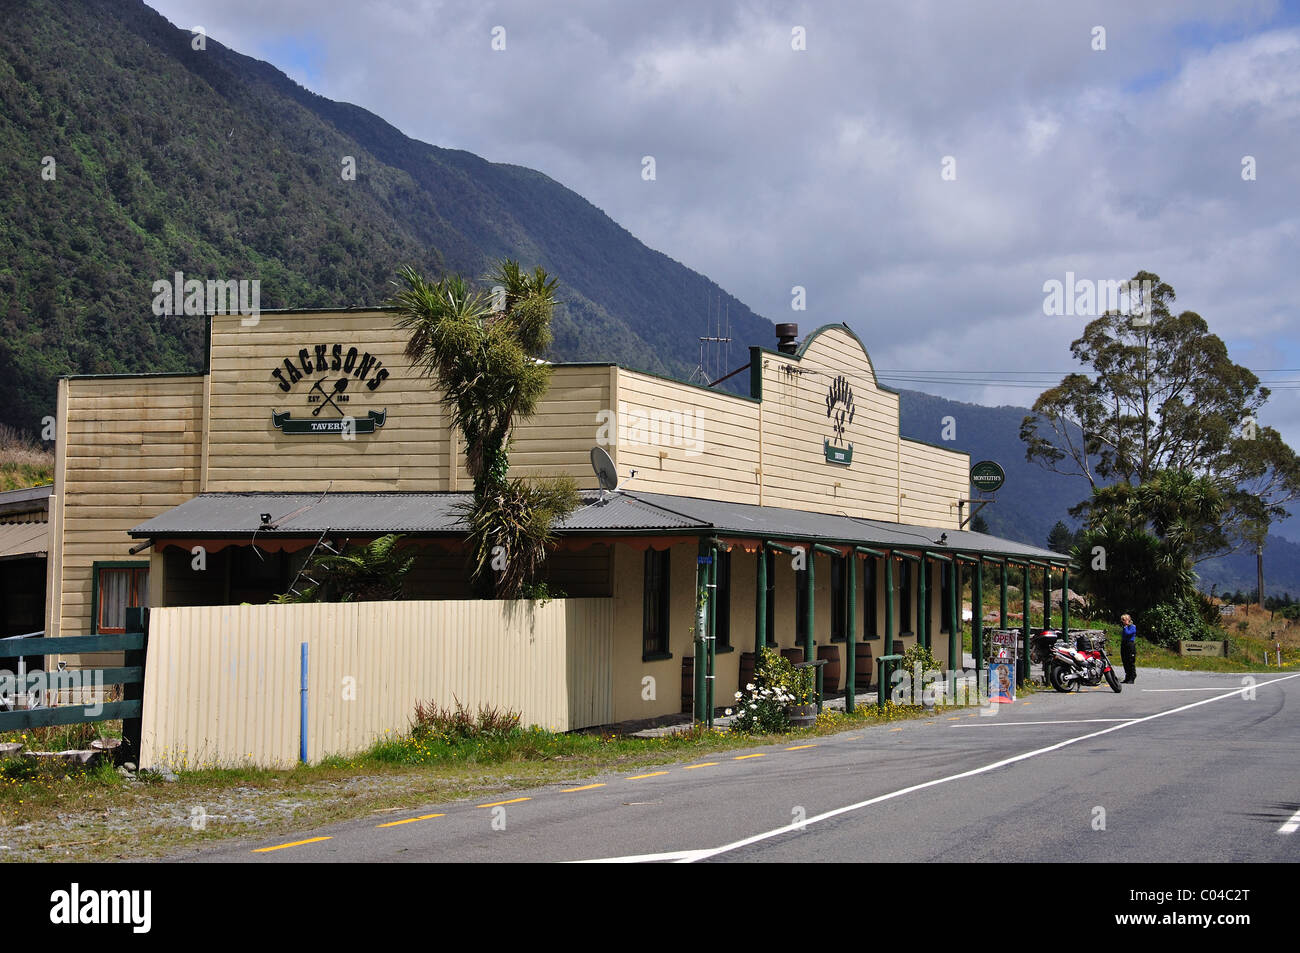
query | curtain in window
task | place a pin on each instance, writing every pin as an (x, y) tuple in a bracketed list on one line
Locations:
[(114, 597)]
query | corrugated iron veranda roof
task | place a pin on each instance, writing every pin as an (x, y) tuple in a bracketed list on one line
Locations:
[(240, 516)]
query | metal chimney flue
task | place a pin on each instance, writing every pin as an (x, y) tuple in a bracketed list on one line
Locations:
[(786, 338)]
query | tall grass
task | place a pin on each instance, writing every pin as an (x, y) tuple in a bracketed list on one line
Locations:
[(23, 462)]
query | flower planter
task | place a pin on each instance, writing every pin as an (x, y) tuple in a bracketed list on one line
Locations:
[(802, 716)]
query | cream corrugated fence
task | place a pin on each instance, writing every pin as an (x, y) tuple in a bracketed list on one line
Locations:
[(222, 682)]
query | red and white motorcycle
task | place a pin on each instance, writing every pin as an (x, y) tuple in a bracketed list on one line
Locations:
[(1069, 666)]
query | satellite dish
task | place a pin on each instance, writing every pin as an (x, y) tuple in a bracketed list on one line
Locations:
[(606, 472)]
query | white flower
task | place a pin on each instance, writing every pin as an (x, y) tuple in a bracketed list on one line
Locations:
[(737, 696), (726, 711), (749, 687), (753, 706)]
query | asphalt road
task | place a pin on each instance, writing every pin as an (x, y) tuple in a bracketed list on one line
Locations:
[(1180, 767)]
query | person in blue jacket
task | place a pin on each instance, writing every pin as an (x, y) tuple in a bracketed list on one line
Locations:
[(1128, 648)]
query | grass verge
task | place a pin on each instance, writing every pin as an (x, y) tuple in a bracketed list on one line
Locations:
[(55, 812)]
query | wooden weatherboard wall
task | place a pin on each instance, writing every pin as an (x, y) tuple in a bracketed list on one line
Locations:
[(250, 381), (132, 447), (694, 441), (129, 448)]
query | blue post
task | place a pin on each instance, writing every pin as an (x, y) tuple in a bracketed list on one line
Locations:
[(302, 715)]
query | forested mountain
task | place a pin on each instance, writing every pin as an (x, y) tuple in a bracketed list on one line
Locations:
[(1033, 499), (165, 158)]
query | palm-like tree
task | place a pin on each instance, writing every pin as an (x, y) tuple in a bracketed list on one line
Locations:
[(487, 364), (375, 572)]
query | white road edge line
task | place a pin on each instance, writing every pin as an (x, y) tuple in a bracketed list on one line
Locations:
[(690, 857), (1291, 826), (1076, 721), (1212, 688), (676, 855)]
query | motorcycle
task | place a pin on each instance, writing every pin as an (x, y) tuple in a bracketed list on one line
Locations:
[(1067, 666)]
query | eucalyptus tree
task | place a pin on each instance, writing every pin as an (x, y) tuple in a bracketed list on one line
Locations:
[(483, 351), (1162, 395)]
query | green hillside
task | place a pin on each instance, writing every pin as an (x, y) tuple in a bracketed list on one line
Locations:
[(210, 163)]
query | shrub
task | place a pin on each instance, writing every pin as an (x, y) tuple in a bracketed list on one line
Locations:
[(916, 659), (460, 724), (774, 670), (1140, 571), (761, 709), (777, 684), (1207, 610), (918, 654), (1169, 623)]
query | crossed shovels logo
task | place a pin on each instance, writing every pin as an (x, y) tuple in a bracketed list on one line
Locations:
[(340, 386), (346, 425)]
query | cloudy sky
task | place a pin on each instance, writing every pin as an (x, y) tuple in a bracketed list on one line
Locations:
[(824, 167)]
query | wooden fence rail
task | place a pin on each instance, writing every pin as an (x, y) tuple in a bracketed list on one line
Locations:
[(130, 676)]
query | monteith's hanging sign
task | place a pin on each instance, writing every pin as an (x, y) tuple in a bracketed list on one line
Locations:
[(840, 410), (337, 377), (987, 476)]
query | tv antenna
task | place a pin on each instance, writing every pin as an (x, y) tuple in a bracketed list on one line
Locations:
[(718, 357)]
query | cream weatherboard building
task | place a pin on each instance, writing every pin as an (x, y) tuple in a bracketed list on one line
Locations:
[(309, 428)]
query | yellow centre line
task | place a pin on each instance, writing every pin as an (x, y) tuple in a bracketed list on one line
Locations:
[(896, 729), (852, 737), (652, 774), (297, 843), (706, 764), (742, 757), (410, 820), (499, 803), (800, 747), (587, 787)]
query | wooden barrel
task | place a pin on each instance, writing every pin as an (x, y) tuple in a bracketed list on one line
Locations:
[(795, 655), (747, 660), (863, 665), (831, 670), (688, 684)]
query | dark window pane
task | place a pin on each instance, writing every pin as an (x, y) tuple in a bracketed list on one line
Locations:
[(869, 628), (800, 605), (905, 596), (945, 613), (722, 617), (655, 611), (839, 600)]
